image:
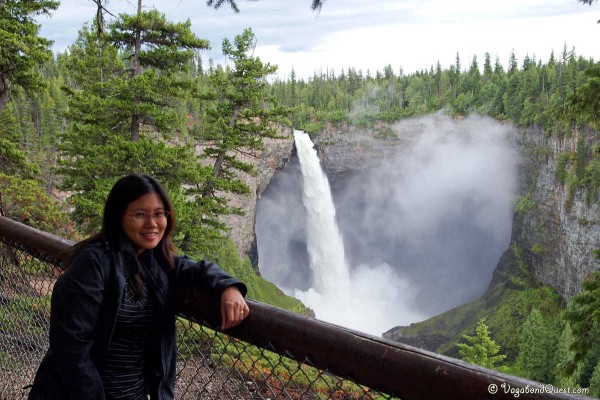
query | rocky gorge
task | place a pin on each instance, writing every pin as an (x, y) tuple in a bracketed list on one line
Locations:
[(555, 228)]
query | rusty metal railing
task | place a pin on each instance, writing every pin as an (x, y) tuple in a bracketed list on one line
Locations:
[(274, 354)]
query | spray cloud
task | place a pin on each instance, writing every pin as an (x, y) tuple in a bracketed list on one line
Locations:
[(422, 231)]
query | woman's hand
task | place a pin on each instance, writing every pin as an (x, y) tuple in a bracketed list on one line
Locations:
[(233, 308)]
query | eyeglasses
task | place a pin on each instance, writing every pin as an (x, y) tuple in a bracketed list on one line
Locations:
[(144, 216)]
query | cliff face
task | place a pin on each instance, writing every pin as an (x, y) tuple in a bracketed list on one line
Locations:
[(555, 232), (276, 153), (348, 148)]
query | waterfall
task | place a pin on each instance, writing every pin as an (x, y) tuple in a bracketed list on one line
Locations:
[(363, 298), (324, 241), (423, 227)]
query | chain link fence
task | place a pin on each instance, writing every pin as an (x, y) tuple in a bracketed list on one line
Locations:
[(211, 365), (274, 354)]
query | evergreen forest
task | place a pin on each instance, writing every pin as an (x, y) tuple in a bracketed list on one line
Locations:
[(135, 95)]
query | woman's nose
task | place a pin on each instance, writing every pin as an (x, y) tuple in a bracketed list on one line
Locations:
[(149, 221)]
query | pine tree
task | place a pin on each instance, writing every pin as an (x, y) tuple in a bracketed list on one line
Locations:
[(26, 201), (21, 49), (585, 368), (481, 348), (595, 382), (22, 194), (586, 100), (241, 114), (158, 51), (13, 160), (108, 99), (584, 316), (487, 68), (562, 357), (536, 338)]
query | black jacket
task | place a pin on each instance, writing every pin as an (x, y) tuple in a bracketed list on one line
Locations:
[(84, 306)]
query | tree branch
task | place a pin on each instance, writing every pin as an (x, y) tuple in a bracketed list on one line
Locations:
[(100, 16)]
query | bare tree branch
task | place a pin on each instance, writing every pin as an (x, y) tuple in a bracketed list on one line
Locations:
[(100, 16), (216, 4)]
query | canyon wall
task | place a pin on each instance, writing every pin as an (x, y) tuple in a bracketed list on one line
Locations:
[(556, 231)]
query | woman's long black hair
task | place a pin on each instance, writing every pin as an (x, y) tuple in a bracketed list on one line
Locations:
[(125, 191)]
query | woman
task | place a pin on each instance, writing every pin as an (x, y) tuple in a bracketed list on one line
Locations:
[(112, 321)]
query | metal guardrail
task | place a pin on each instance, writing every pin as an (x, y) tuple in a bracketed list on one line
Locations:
[(274, 354)]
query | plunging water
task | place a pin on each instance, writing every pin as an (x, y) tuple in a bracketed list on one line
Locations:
[(423, 226), (324, 242), (362, 298)]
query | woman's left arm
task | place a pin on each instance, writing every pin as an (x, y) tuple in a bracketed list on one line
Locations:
[(211, 277)]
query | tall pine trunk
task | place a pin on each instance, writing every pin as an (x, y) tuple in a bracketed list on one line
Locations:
[(4, 93), (217, 166), (135, 118)]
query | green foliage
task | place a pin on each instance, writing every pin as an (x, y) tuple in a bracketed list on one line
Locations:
[(224, 252), (21, 49), (262, 365), (584, 316), (513, 309), (26, 201), (561, 167), (537, 249), (385, 133), (506, 305), (595, 382), (585, 369), (32, 313), (239, 115), (536, 337), (591, 175), (536, 93), (520, 278), (481, 349), (107, 108), (562, 358), (13, 160), (580, 158), (585, 102), (165, 45), (524, 204), (572, 184)]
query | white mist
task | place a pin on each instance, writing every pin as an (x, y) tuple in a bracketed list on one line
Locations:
[(363, 298)]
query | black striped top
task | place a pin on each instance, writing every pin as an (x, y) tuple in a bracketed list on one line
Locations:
[(137, 320)]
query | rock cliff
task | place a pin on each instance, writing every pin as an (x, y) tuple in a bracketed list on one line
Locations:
[(276, 153), (556, 234)]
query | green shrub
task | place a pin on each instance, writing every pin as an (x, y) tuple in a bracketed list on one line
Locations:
[(561, 167), (537, 249), (524, 204)]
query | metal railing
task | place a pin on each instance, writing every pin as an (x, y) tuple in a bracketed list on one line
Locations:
[(274, 354)]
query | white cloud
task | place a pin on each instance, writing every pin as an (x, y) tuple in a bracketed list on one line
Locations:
[(417, 46), (371, 34)]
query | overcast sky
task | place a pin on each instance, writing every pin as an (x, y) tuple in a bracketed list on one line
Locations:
[(370, 34)]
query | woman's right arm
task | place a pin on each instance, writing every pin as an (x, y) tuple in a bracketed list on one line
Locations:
[(76, 301)]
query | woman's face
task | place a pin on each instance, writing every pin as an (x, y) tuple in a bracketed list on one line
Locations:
[(145, 221)]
